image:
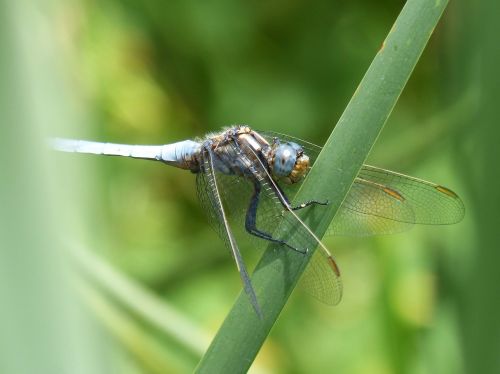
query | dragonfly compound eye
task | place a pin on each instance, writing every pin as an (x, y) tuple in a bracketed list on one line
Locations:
[(289, 162)]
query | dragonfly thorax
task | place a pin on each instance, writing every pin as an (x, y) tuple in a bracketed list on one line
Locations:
[(238, 149)]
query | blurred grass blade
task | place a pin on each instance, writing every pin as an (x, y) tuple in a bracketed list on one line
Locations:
[(123, 307), (243, 333), (148, 349), (43, 329), (166, 320)]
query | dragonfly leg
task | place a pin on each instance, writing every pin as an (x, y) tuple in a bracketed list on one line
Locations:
[(310, 202), (287, 205), (251, 221)]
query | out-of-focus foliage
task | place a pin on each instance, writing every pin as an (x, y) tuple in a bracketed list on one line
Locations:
[(151, 72)]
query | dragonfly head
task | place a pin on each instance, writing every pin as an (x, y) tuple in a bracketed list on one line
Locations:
[(288, 162)]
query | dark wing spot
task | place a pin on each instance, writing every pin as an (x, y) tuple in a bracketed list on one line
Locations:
[(334, 266), (446, 191), (394, 193)]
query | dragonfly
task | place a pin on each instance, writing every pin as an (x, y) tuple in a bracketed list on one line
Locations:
[(246, 178)]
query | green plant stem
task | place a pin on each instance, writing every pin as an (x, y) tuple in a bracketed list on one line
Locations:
[(242, 334)]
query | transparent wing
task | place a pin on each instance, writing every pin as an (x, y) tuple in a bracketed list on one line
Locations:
[(208, 188), (384, 202), (235, 193), (322, 277), (431, 203), (369, 209)]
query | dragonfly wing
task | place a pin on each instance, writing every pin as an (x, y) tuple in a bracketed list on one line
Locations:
[(235, 193), (322, 276), (432, 204), (321, 279), (385, 202), (371, 209), (208, 187)]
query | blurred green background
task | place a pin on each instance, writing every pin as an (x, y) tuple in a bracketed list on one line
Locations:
[(155, 72)]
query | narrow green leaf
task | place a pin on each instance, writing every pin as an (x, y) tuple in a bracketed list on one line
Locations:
[(243, 333), (167, 321)]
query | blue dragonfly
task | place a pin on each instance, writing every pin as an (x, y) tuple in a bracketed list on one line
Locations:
[(246, 179)]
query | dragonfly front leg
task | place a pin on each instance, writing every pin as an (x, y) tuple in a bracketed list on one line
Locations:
[(310, 202), (305, 204), (251, 220)]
